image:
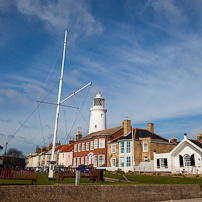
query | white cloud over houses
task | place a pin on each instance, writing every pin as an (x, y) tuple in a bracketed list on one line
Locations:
[(62, 14)]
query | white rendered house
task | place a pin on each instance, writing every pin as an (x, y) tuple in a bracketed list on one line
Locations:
[(186, 158), (98, 114)]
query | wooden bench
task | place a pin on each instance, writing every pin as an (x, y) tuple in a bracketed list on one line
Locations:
[(71, 172), (17, 174)]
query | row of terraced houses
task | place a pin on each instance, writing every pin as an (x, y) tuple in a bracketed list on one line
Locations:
[(123, 147)]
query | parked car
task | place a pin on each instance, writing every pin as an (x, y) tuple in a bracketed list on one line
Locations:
[(44, 169), (84, 168)]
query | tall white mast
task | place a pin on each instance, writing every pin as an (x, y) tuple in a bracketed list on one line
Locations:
[(50, 176)]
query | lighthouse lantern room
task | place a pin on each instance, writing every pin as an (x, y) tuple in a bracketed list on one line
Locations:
[(98, 114)]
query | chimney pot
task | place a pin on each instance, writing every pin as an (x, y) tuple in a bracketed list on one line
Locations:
[(150, 127), (78, 135), (174, 139), (126, 126), (199, 137)]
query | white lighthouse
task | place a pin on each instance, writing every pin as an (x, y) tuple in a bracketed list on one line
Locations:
[(98, 114)]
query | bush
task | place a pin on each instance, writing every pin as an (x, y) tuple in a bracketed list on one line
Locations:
[(180, 174), (154, 173), (158, 173), (119, 171), (130, 172)]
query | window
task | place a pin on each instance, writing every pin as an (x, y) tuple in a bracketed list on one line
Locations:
[(121, 161), (122, 147), (128, 150), (102, 143), (101, 160), (87, 160), (145, 147), (95, 161), (75, 148), (68, 155), (87, 146), (187, 160), (78, 161), (95, 126), (113, 148), (63, 155), (82, 160), (145, 158), (113, 162), (79, 147), (83, 146), (74, 161), (162, 163), (95, 144), (128, 161), (91, 145)]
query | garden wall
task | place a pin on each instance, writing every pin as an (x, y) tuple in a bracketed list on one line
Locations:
[(98, 193)]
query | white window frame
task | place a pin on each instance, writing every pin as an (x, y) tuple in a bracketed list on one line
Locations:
[(113, 150), (79, 147), (83, 146), (91, 145), (128, 161), (74, 161), (121, 144), (78, 161), (101, 161), (121, 161), (95, 161), (113, 162), (128, 147), (95, 143), (75, 148), (87, 146), (87, 160), (82, 160), (102, 143), (145, 146)]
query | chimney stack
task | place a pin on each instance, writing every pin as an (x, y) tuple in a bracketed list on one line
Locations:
[(174, 139), (126, 126), (199, 137), (150, 127), (71, 140), (78, 135)]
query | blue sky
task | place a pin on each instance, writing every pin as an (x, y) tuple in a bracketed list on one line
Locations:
[(144, 56)]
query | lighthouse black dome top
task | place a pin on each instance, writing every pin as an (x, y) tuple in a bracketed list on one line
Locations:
[(98, 100)]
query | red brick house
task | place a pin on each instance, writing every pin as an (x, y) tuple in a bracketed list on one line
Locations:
[(92, 149)]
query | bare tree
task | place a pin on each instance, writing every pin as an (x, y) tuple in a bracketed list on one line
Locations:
[(12, 152), (1, 147)]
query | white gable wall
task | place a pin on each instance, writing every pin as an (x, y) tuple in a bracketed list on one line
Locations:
[(186, 148), (173, 159)]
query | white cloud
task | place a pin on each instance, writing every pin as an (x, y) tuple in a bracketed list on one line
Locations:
[(62, 14)]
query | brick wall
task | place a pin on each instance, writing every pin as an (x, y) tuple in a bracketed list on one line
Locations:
[(113, 155), (152, 146), (83, 193)]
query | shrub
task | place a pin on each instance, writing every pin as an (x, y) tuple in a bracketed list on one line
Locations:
[(158, 173), (119, 171), (180, 174), (130, 172)]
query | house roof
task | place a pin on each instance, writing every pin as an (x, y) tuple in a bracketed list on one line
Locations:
[(106, 132), (196, 142), (67, 148), (141, 133)]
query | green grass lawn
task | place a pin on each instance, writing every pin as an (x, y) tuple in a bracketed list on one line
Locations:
[(42, 179), (135, 179), (155, 179)]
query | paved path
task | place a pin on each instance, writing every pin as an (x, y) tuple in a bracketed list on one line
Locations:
[(185, 200)]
